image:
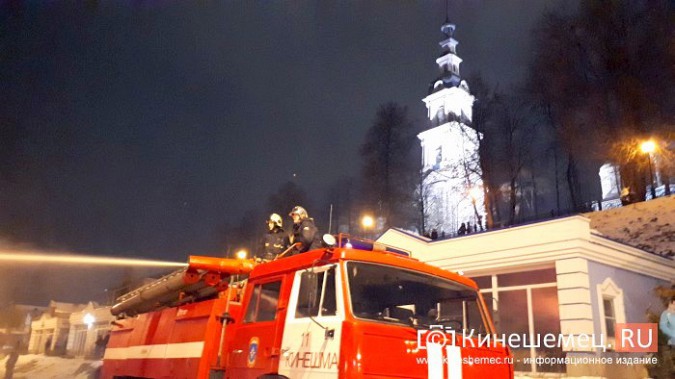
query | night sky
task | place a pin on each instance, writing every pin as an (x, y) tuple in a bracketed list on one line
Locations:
[(139, 128)]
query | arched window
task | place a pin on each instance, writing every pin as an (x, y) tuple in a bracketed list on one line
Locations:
[(611, 309)]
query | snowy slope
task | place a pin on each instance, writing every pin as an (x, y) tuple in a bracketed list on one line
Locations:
[(32, 366), (648, 225)]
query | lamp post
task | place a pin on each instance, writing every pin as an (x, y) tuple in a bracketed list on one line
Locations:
[(475, 193), (648, 148)]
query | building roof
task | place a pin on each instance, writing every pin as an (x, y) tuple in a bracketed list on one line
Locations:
[(531, 246), (448, 80), (648, 225), (60, 307)]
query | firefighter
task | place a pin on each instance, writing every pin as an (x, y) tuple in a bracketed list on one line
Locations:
[(275, 240), (304, 231), (11, 361)]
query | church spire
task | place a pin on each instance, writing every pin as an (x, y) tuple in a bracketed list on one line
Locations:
[(450, 148), (448, 62)]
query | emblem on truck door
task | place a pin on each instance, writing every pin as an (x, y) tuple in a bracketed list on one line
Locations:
[(252, 351)]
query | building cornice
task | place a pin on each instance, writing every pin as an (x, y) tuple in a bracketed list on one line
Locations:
[(534, 245), (451, 91)]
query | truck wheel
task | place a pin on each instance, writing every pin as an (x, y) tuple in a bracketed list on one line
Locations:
[(272, 376)]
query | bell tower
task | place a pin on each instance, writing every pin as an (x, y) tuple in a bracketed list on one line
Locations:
[(452, 185)]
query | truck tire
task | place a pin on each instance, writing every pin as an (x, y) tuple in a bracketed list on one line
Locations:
[(272, 376)]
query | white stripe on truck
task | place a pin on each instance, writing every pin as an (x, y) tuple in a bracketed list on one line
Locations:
[(454, 355), (161, 351), (435, 360)]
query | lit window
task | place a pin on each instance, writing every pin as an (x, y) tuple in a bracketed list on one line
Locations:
[(439, 157), (440, 115)]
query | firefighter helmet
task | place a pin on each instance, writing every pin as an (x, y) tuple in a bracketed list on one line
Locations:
[(275, 219), (299, 211)]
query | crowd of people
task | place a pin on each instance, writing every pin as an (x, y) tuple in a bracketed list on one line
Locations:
[(464, 228), (468, 228), (304, 235)]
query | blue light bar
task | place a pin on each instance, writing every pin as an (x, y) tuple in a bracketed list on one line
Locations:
[(360, 244)]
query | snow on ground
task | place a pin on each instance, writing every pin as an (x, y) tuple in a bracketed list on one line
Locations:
[(33, 366), (39, 366), (648, 225)]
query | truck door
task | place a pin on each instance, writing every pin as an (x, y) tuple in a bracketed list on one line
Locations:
[(311, 338), (255, 348)]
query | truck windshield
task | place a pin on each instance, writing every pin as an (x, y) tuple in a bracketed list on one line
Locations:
[(393, 295)]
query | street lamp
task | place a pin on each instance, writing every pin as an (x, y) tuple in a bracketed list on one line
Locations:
[(367, 223), (648, 148), (89, 320), (241, 254), (475, 193)]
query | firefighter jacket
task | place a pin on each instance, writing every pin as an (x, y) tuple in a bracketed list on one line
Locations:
[(306, 233), (275, 242)]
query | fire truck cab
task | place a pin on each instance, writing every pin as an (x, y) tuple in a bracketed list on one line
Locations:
[(337, 312)]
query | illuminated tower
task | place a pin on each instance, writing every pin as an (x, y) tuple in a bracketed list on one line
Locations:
[(452, 188)]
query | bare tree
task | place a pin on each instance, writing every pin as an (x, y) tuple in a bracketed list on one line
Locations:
[(247, 231), (604, 77), (517, 133), (556, 90), (484, 125), (244, 233), (286, 197), (344, 199), (389, 170), (425, 200)]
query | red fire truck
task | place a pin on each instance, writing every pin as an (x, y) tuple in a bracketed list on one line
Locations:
[(350, 310)]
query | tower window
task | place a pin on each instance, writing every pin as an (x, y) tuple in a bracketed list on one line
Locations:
[(439, 157), (440, 115)]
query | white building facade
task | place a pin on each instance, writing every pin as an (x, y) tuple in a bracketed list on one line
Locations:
[(452, 188), (49, 333), (89, 330), (557, 277)]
